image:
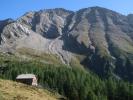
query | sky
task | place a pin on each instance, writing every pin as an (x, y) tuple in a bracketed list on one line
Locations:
[(16, 8)]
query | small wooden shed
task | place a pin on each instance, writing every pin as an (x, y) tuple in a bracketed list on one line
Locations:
[(29, 79)]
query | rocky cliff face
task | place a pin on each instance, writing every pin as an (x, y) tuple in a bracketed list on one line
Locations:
[(102, 39)]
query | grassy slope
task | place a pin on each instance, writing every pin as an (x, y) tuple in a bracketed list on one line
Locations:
[(16, 91), (47, 58), (38, 55)]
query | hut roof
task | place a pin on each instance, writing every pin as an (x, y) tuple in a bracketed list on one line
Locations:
[(25, 76)]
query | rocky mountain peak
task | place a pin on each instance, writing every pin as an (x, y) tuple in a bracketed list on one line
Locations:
[(101, 38)]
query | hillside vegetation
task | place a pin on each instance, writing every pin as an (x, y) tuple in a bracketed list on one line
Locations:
[(74, 83), (10, 90)]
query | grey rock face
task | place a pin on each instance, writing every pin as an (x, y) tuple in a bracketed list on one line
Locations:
[(48, 23), (103, 36), (3, 24)]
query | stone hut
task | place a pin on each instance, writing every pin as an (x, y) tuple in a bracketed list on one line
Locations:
[(29, 79)]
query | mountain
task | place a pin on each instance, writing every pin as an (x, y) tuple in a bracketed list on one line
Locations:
[(95, 38)]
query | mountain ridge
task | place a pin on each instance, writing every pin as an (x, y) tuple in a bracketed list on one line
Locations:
[(96, 35)]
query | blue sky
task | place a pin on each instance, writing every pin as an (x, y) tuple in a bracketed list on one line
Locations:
[(16, 8)]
